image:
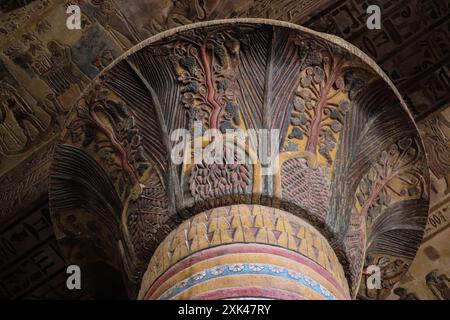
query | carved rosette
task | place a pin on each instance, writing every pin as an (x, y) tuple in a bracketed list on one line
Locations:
[(350, 163)]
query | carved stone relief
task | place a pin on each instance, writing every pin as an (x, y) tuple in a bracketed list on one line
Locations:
[(334, 114), (36, 63), (427, 277)]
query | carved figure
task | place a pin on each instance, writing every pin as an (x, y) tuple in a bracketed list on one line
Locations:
[(63, 72), (438, 284), (439, 149), (52, 107), (23, 114)]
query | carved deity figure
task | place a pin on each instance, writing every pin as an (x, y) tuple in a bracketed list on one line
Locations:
[(23, 114), (36, 54), (438, 284), (115, 23), (4, 125), (52, 107), (439, 148), (63, 72)]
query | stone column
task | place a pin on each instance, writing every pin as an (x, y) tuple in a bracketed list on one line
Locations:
[(348, 187), (243, 252)]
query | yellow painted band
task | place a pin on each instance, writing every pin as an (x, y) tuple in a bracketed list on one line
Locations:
[(247, 281)]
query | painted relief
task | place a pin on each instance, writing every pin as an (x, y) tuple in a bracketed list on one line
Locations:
[(254, 76), (428, 275), (351, 160)]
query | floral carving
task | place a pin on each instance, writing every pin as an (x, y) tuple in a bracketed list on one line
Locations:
[(217, 180), (327, 82), (206, 65), (147, 218), (305, 186), (105, 125), (395, 176)]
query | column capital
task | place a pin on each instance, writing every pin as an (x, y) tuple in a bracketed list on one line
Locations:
[(349, 159)]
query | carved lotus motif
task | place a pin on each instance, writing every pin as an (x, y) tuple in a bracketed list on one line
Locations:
[(351, 160)]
